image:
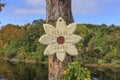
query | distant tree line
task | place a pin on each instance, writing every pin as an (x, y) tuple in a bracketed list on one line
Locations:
[(101, 43)]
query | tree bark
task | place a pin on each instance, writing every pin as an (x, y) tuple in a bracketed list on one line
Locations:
[(58, 8), (54, 10)]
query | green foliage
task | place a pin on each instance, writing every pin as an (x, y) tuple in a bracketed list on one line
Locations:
[(9, 33), (30, 37), (100, 44), (75, 72), (21, 42)]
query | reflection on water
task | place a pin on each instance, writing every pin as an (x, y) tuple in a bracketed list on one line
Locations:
[(105, 73), (21, 71)]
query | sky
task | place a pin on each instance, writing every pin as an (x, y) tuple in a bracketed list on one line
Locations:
[(20, 12)]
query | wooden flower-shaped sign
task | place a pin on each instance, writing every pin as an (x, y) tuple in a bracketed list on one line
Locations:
[(60, 39)]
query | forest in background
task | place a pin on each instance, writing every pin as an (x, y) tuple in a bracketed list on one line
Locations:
[(101, 44)]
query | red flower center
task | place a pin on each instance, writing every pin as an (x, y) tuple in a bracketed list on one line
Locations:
[(60, 40)]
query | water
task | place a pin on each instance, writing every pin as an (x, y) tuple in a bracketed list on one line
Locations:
[(105, 73), (21, 71)]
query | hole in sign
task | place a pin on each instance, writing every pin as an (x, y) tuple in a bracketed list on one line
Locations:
[(60, 20)]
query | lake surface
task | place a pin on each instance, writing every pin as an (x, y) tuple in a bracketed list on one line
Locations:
[(21, 71), (105, 73)]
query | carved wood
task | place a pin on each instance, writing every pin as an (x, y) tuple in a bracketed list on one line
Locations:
[(54, 10)]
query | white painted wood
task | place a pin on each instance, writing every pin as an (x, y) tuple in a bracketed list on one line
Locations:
[(49, 29), (73, 38), (53, 38), (61, 56), (71, 50), (50, 50), (47, 39), (61, 24), (71, 28)]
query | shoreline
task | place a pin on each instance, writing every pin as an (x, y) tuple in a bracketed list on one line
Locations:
[(102, 65), (16, 61)]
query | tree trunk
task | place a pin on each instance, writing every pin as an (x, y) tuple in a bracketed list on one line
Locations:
[(54, 10), (58, 8)]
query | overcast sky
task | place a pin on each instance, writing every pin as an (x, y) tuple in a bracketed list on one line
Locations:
[(84, 11)]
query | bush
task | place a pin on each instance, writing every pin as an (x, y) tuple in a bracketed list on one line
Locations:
[(75, 72)]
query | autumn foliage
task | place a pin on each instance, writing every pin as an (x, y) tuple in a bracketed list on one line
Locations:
[(9, 33), (101, 43)]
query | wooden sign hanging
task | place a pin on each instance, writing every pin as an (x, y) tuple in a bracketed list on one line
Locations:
[(60, 39)]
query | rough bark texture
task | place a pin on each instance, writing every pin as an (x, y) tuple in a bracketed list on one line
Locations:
[(58, 8), (54, 10)]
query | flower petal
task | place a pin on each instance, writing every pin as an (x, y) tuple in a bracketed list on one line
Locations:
[(61, 56), (72, 39), (61, 24), (61, 52), (71, 28), (49, 29), (50, 50), (71, 50), (47, 39)]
